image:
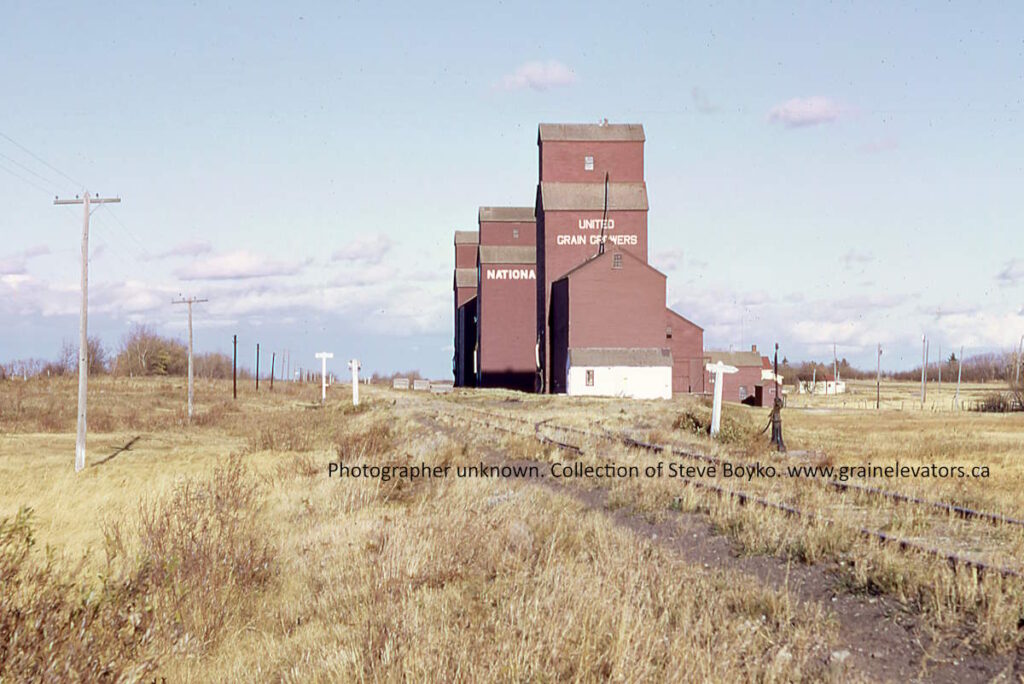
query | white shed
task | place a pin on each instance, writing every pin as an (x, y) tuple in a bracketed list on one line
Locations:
[(619, 372)]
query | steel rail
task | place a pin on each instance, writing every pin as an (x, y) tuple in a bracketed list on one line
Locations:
[(955, 561)]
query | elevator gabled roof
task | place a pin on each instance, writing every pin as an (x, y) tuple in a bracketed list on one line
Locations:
[(507, 214), (465, 277), (500, 254), (606, 255), (587, 132), (467, 237), (590, 196), (619, 356)]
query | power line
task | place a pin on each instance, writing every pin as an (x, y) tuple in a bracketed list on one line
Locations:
[(39, 159), (35, 185), (18, 163)]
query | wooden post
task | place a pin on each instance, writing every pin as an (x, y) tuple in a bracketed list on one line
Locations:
[(234, 364), (959, 372), (257, 366), (83, 324), (273, 358), (323, 356), (718, 369), (878, 380), (923, 368)]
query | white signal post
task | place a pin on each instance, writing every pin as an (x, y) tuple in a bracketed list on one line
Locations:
[(83, 337), (354, 366), (323, 356), (719, 369)]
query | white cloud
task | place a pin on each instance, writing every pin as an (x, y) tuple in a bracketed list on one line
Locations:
[(239, 265), (369, 249), (805, 111), (17, 264), (539, 75)]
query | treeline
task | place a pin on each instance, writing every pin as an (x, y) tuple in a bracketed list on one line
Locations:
[(987, 367), (141, 352)]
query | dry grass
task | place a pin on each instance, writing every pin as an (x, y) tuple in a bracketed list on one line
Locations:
[(230, 554)]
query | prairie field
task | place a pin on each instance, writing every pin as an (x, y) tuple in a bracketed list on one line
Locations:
[(273, 538)]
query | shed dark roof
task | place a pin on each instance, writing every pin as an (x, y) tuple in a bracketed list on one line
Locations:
[(507, 214), (465, 277), (590, 196), (499, 254), (610, 132), (619, 356), (735, 358), (467, 237)]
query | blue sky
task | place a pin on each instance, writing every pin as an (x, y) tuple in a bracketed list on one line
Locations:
[(816, 173)]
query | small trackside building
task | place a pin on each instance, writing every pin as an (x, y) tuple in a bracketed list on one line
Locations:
[(633, 373), (506, 287), (612, 301), (686, 340), (465, 316), (752, 384)]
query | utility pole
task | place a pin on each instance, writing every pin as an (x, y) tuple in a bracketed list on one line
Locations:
[(83, 327), (835, 368), (234, 365), (273, 358), (878, 380), (190, 301), (257, 366), (959, 372), (924, 367), (1020, 349), (323, 356)]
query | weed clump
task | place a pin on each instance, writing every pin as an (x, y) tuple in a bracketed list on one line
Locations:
[(731, 430), (170, 586)]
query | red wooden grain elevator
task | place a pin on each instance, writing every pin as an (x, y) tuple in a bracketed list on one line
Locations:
[(506, 300)]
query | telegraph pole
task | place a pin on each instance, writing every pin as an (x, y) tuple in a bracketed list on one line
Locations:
[(234, 364), (1020, 349), (190, 301), (959, 373), (83, 328), (924, 367), (257, 366), (878, 380), (273, 359)]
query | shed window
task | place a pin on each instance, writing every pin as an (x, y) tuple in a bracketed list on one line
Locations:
[(590, 378), (588, 163), (515, 233), (743, 392), (616, 261), (668, 332)]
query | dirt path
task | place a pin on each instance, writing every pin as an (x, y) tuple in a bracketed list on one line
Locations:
[(878, 638)]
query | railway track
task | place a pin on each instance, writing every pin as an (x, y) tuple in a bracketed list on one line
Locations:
[(954, 560)]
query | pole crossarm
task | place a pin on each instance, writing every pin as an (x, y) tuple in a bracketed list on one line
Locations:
[(92, 200)]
